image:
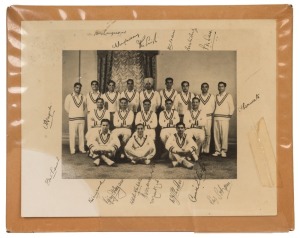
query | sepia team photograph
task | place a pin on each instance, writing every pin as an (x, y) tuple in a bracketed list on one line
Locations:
[(128, 114)]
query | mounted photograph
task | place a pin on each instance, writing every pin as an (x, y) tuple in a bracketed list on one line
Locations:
[(129, 113)]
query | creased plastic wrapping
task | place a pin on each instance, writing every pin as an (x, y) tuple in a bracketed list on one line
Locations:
[(49, 188)]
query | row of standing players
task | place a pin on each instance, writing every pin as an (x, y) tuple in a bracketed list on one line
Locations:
[(122, 109)]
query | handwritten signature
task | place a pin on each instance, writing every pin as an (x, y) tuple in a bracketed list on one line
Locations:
[(244, 106), (157, 187), (53, 171), (136, 190), (146, 40), (106, 32), (96, 195), (219, 193), (170, 45), (48, 121), (193, 197), (115, 194), (125, 41), (190, 39), (175, 191), (209, 40), (200, 175)]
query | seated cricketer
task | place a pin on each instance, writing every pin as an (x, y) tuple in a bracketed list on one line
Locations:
[(181, 147), (140, 147), (102, 144)]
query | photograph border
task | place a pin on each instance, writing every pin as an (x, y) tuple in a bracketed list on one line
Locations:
[(283, 221)]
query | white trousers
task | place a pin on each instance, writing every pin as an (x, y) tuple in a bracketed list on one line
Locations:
[(76, 127), (124, 133), (199, 135), (221, 128), (139, 153), (90, 123), (206, 145), (165, 133)]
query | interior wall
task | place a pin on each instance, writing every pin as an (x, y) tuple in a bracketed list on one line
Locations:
[(73, 62)]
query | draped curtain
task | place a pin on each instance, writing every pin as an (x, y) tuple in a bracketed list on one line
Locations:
[(122, 65)]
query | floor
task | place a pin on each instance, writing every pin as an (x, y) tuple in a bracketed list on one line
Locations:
[(80, 166)]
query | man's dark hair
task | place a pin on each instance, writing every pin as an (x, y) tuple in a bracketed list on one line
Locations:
[(180, 123), (169, 79), (105, 120), (222, 83), (204, 84), (77, 83), (185, 82), (94, 81)]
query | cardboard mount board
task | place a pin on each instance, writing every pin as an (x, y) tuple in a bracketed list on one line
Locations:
[(21, 20)]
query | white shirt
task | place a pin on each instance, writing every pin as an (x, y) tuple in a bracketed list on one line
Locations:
[(133, 98), (148, 119), (97, 115), (91, 98), (75, 106), (168, 119), (207, 104), (183, 102), (165, 94), (111, 100), (224, 106), (123, 118), (194, 119), (153, 96)]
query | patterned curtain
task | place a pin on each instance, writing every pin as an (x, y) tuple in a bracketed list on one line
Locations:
[(104, 68), (122, 65)]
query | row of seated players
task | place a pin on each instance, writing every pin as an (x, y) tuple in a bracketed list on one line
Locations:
[(194, 122), (140, 147)]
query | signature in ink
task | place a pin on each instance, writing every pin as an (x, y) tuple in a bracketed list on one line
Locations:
[(115, 194), (190, 39), (219, 193), (146, 40), (200, 175), (170, 45), (175, 191), (193, 197), (136, 190), (156, 188), (48, 121), (209, 40), (125, 41), (96, 195), (105, 32), (53, 171), (145, 193), (244, 106)]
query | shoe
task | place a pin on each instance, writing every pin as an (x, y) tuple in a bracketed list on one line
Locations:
[(122, 156), (133, 162), (187, 164), (72, 153), (147, 161), (217, 153), (223, 154), (83, 152), (114, 165), (97, 162), (195, 157), (175, 163)]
